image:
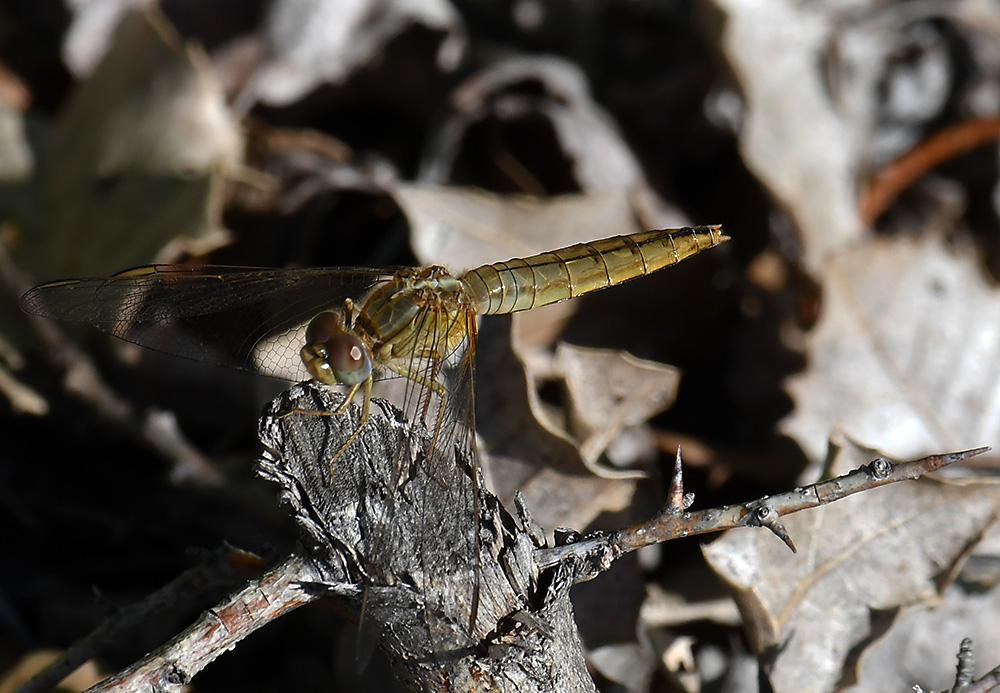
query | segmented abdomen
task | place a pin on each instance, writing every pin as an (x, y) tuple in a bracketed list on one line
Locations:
[(523, 283)]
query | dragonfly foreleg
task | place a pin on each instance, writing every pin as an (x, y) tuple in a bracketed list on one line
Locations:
[(429, 382), (366, 399), (341, 408)]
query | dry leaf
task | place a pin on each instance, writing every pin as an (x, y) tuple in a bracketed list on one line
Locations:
[(521, 453), (792, 137), (921, 645), (612, 395), (16, 158), (132, 163), (313, 42), (588, 136), (463, 228), (92, 29), (904, 356), (858, 560)]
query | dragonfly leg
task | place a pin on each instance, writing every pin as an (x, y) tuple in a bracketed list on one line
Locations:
[(348, 398), (341, 408), (431, 384), (366, 399)]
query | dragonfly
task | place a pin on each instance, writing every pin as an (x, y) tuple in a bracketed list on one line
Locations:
[(351, 327)]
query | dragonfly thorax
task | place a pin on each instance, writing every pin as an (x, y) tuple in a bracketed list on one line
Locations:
[(418, 310), (333, 353)]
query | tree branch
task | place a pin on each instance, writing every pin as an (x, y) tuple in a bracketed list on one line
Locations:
[(391, 533)]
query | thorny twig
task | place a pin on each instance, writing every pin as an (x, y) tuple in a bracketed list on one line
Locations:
[(964, 682), (219, 629), (226, 567), (675, 520)]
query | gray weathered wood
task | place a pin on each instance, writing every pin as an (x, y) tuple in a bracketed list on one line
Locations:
[(377, 516)]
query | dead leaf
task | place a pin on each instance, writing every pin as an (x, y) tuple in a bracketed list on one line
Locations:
[(324, 42), (132, 164), (601, 158), (612, 395), (920, 647), (792, 137), (924, 639), (16, 158), (629, 665), (904, 356), (857, 559), (91, 32), (463, 228), (521, 453)]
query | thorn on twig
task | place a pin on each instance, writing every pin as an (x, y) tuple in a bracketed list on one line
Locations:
[(676, 499), (966, 664), (764, 516)]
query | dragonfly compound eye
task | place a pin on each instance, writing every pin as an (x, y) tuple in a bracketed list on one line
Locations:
[(348, 358), (333, 354), (323, 327)]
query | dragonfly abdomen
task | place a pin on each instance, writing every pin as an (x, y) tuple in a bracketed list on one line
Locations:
[(523, 283)]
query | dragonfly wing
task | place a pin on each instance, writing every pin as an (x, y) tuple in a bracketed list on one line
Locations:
[(449, 485), (248, 318), (455, 599)]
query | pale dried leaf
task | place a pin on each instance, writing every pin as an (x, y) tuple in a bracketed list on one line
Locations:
[(859, 557), (523, 452), (921, 645), (627, 664), (17, 161), (463, 228), (90, 33), (792, 137), (904, 356), (133, 162), (313, 42), (601, 158), (612, 395), (152, 105)]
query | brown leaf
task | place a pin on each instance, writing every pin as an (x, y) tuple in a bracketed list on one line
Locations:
[(612, 395), (132, 164), (865, 555), (904, 356)]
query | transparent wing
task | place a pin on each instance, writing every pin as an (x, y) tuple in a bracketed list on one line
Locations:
[(253, 319), (450, 557)]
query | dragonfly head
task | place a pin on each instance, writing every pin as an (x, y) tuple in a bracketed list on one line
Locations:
[(333, 353)]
